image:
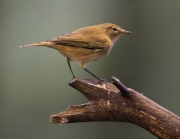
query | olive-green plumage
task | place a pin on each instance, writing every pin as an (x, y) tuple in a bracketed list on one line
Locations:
[(86, 44)]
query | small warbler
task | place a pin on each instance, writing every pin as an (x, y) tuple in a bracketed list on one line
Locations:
[(86, 44)]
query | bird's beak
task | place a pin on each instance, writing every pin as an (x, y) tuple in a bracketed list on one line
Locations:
[(126, 32)]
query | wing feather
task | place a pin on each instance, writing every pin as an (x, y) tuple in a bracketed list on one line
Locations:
[(76, 39)]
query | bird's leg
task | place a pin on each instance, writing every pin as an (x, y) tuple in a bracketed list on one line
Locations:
[(82, 66), (68, 61)]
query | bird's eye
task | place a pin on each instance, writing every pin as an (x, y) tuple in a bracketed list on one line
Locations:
[(114, 29)]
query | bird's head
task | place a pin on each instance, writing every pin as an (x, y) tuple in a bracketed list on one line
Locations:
[(114, 32)]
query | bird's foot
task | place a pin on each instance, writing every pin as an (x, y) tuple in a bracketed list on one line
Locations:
[(100, 81), (72, 80)]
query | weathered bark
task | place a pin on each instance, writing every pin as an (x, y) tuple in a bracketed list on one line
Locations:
[(107, 103)]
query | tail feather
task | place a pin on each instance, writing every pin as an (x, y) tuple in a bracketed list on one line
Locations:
[(37, 44)]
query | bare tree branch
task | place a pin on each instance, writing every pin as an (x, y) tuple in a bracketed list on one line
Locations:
[(108, 103)]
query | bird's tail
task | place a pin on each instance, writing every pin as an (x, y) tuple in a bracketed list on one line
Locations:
[(37, 44)]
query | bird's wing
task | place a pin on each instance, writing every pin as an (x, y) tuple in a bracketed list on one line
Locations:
[(75, 39)]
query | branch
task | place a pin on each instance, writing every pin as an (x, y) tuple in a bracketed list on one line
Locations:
[(108, 103)]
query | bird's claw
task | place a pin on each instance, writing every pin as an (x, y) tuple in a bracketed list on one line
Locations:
[(100, 81)]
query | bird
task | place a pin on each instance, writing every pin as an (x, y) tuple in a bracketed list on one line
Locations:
[(86, 44)]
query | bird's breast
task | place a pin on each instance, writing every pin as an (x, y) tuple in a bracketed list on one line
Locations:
[(83, 55)]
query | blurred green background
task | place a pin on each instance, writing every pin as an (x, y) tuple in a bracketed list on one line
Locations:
[(34, 81)]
